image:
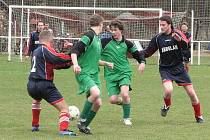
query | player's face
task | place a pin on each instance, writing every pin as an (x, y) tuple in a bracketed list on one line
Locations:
[(165, 27), (116, 33), (40, 26), (101, 27), (184, 28)]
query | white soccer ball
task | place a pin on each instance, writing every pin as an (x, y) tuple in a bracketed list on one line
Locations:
[(74, 112)]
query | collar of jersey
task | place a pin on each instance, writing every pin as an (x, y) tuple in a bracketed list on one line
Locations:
[(121, 41)]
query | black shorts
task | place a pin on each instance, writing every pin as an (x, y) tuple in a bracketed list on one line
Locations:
[(177, 74), (43, 89)]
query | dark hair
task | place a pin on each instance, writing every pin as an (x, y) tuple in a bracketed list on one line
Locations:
[(167, 19), (116, 24), (184, 23), (95, 20)]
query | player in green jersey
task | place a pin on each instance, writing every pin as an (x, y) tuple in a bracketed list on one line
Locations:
[(118, 79), (85, 57)]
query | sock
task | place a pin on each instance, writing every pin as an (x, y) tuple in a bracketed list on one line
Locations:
[(90, 117), (86, 109), (63, 121), (167, 101), (197, 110), (36, 109), (126, 110)]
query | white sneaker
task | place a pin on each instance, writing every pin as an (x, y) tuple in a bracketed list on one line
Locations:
[(127, 121)]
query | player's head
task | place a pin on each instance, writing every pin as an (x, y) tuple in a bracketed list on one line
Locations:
[(184, 27), (40, 26), (166, 24), (96, 21), (45, 37), (116, 27)]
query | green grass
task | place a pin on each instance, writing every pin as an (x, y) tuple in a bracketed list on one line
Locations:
[(146, 98)]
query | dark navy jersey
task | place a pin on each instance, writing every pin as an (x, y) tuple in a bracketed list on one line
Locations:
[(170, 49), (44, 60), (33, 42)]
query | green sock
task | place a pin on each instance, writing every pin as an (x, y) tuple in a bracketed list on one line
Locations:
[(90, 117), (86, 109), (126, 110)]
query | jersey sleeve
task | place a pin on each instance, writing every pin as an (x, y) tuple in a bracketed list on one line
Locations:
[(62, 66), (152, 47), (30, 44), (134, 51), (52, 56), (105, 41), (80, 46)]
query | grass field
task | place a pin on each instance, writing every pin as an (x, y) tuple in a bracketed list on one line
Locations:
[(146, 98)]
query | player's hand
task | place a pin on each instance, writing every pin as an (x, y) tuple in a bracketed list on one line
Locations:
[(177, 37), (110, 65), (77, 69), (141, 67), (27, 56), (67, 44)]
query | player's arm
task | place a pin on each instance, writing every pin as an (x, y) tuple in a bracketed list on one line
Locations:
[(107, 64), (136, 55), (79, 48), (30, 44), (54, 57), (62, 66), (181, 38), (151, 49)]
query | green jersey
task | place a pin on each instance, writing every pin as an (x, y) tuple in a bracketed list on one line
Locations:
[(89, 59), (116, 52)]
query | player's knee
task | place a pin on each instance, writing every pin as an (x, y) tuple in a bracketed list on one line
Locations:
[(113, 100), (125, 97), (168, 91), (98, 103)]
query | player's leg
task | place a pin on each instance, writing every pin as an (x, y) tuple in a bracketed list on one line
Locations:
[(87, 114), (124, 92), (95, 108), (64, 115), (51, 94), (167, 89), (195, 103), (36, 104), (36, 109)]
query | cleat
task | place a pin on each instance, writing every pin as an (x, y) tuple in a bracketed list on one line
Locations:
[(164, 110), (82, 128), (35, 128), (67, 133), (127, 121), (200, 119)]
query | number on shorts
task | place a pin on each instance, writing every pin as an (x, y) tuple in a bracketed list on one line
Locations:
[(33, 69)]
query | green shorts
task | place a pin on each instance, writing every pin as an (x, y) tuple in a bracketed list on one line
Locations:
[(113, 87), (86, 81)]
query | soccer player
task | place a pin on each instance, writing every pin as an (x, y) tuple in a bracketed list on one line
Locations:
[(186, 53), (170, 43), (85, 57), (34, 38), (40, 85), (118, 79), (107, 33)]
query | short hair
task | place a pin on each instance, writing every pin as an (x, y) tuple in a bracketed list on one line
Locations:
[(184, 23), (117, 24), (39, 22), (167, 19), (45, 36), (95, 20)]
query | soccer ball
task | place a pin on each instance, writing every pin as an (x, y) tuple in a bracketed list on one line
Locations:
[(74, 112)]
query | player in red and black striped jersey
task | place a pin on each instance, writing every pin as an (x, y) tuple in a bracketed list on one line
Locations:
[(40, 85), (170, 43)]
